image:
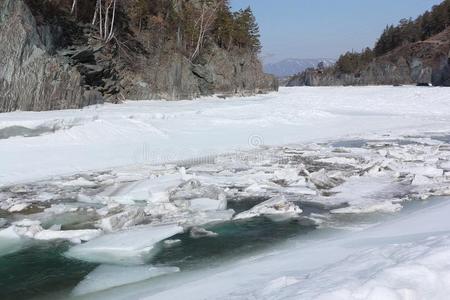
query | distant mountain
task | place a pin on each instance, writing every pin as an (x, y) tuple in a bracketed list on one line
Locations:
[(292, 66)]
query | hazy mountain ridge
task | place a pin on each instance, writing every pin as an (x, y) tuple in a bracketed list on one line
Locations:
[(292, 66)]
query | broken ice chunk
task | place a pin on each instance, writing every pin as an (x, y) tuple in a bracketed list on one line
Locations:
[(27, 228), (339, 160), (421, 180), (427, 171), (131, 217), (262, 188), (19, 207), (205, 204), (10, 241), (198, 232), (153, 190), (129, 247), (288, 175), (298, 190), (79, 182), (322, 180), (107, 276), (199, 218), (277, 208), (171, 243), (363, 194), (383, 207), (76, 236), (192, 189)]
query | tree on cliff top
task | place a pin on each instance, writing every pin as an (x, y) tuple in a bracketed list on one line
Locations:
[(190, 26), (247, 30), (410, 31)]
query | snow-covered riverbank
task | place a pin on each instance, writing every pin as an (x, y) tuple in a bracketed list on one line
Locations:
[(155, 132)]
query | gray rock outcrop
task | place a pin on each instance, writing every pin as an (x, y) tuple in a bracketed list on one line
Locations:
[(31, 78), (218, 72)]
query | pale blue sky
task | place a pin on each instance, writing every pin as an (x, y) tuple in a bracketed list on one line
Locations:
[(326, 28)]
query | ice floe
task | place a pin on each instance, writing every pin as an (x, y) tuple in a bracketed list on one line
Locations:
[(128, 247)]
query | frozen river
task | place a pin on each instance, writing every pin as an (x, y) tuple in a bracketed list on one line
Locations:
[(310, 193), (158, 131)]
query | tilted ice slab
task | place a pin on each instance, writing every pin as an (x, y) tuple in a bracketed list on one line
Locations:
[(128, 247), (123, 220), (108, 276), (206, 204), (75, 236), (151, 190), (21, 233)]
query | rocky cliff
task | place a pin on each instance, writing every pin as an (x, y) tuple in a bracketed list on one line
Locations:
[(423, 63), (173, 76), (58, 65), (30, 77)]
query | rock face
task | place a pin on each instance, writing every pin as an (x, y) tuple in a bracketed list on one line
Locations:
[(30, 78), (217, 72), (421, 63), (36, 75)]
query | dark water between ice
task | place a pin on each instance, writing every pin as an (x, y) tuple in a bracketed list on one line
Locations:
[(42, 271)]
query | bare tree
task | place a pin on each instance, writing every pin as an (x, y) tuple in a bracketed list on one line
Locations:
[(204, 23), (74, 5), (105, 12)]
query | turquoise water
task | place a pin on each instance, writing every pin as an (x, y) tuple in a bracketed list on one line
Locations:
[(41, 271), (235, 239)]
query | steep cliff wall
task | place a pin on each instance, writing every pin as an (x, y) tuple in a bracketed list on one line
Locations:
[(31, 78), (172, 76), (50, 65)]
